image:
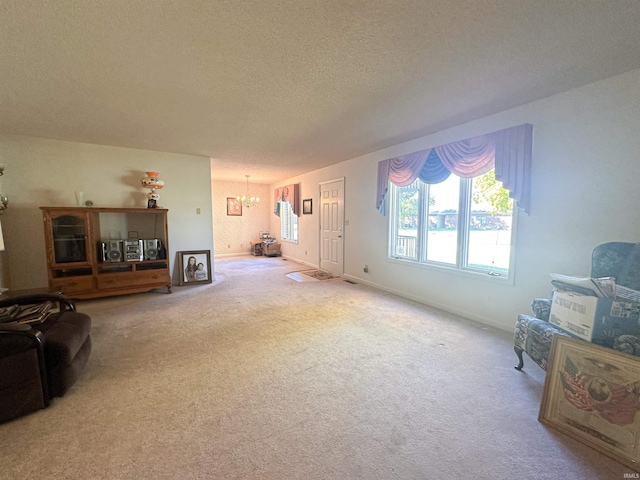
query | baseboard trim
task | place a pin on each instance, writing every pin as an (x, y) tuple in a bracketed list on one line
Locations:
[(297, 260), (446, 308), (220, 255)]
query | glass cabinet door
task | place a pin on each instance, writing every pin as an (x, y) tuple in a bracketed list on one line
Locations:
[(69, 239)]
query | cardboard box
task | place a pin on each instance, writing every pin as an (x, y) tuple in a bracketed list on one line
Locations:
[(594, 319)]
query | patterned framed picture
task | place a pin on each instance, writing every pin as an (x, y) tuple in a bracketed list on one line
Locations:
[(592, 393), (234, 207)]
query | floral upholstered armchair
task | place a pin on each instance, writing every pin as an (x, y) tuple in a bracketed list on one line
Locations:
[(533, 334)]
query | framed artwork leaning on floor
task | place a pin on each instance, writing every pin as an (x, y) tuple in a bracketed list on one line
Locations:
[(195, 267), (592, 394)]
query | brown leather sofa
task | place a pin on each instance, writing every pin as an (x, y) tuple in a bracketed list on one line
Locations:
[(41, 361), (23, 379)]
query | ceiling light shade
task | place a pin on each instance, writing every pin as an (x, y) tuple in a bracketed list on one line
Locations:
[(247, 200), (153, 183)]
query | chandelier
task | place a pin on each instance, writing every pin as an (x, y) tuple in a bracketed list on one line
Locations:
[(247, 200)]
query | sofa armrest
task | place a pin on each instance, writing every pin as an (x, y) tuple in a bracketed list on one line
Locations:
[(14, 327), (17, 337), (541, 308), (64, 302)]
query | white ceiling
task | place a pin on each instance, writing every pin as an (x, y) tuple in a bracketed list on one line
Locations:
[(274, 89)]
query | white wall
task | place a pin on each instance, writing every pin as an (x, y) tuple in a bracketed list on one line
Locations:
[(585, 175), (42, 172)]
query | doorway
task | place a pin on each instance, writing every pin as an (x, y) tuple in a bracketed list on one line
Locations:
[(332, 226)]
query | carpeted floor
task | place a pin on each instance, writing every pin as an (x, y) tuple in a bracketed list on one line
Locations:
[(258, 376)]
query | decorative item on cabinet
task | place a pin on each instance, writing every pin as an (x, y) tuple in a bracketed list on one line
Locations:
[(153, 183)]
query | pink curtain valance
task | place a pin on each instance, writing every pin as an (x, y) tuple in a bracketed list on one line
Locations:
[(290, 194), (508, 150)]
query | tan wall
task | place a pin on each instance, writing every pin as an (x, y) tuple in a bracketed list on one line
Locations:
[(47, 172), (233, 234)]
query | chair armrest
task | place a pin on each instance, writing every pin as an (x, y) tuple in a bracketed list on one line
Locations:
[(23, 329), (65, 303), (14, 327), (541, 308), (37, 340)]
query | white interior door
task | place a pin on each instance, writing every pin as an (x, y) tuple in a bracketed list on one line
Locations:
[(332, 226)]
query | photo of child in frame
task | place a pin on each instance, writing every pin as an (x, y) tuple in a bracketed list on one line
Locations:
[(195, 267)]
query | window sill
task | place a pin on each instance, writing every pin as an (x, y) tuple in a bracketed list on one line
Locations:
[(470, 274)]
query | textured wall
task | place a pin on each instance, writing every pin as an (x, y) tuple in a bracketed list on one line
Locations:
[(232, 234)]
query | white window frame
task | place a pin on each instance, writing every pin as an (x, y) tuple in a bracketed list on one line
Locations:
[(288, 223), (460, 267)]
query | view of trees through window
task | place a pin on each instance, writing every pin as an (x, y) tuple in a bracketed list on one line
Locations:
[(461, 223)]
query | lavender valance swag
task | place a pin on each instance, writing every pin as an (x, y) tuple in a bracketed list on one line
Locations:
[(508, 150)]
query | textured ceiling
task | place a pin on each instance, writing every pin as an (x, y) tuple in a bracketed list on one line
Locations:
[(278, 88)]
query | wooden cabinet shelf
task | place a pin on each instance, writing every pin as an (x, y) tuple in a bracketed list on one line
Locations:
[(99, 252)]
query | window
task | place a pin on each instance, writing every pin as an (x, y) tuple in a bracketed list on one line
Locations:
[(288, 223), (461, 223)]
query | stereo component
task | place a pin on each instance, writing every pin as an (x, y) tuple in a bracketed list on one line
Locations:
[(111, 251), (151, 249), (132, 250)]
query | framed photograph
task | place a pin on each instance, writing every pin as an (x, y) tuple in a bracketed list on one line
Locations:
[(195, 267), (592, 394), (152, 203), (234, 207), (307, 206)]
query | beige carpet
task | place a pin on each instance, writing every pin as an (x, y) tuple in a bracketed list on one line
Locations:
[(256, 376)]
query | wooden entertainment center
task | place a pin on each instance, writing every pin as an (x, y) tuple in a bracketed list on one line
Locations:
[(100, 252)]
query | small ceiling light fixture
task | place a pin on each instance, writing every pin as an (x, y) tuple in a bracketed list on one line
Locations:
[(247, 200)]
